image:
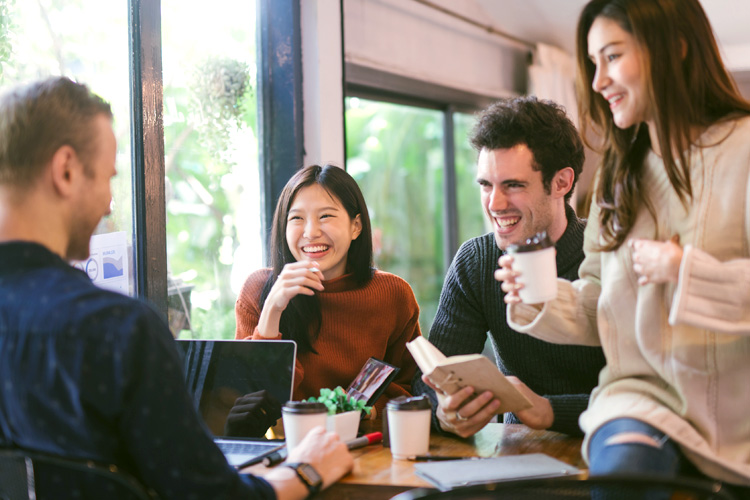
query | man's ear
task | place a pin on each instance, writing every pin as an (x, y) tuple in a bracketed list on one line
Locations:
[(65, 167), (562, 182), (357, 227)]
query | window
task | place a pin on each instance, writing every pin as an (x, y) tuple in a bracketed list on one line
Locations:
[(41, 39), (395, 153), (470, 215), (211, 150), (407, 147), (192, 196)]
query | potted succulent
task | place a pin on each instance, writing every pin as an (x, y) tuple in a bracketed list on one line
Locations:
[(344, 412)]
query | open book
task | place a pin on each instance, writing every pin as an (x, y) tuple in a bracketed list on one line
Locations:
[(451, 374)]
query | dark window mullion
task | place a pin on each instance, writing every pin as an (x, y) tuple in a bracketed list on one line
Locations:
[(147, 135), (280, 125)]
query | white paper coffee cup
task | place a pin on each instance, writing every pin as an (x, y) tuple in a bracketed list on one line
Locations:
[(409, 427), (535, 260), (299, 418)]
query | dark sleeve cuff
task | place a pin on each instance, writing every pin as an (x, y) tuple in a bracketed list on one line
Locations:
[(261, 488), (567, 408)]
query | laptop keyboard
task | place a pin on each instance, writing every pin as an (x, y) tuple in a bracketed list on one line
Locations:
[(238, 452), (245, 448)]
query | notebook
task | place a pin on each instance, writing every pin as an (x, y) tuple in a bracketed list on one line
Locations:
[(450, 474), (217, 372)]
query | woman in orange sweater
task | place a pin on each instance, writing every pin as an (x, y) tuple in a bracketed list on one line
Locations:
[(323, 291)]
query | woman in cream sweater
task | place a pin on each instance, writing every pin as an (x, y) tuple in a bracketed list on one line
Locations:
[(665, 285)]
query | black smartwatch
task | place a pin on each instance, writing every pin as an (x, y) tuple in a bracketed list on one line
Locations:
[(308, 475)]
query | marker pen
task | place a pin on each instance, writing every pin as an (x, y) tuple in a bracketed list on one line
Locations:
[(373, 437), (275, 458), (280, 455)]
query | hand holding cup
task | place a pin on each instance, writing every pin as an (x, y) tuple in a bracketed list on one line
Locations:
[(529, 271)]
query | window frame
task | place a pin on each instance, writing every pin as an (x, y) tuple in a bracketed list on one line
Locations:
[(372, 84), (280, 127), (147, 152)]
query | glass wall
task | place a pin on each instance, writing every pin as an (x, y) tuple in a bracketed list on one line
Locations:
[(471, 219), (44, 38), (395, 153), (213, 208)]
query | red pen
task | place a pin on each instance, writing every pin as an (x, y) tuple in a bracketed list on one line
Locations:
[(373, 437)]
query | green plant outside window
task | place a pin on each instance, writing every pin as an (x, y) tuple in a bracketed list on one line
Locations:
[(213, 203), (395, 153)]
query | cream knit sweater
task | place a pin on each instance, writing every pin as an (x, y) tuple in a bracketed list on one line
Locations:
[(678, 356)]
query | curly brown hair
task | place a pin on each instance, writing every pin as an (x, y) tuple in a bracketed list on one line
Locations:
[(541, 125)]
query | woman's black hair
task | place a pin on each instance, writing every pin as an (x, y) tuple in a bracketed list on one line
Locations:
[(301, 320)]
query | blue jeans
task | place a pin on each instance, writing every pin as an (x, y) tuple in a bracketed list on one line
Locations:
[(612, 452), (605, 457), (658, 458)]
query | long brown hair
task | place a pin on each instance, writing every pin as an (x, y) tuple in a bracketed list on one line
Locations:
[(684, 93), (301, 320)]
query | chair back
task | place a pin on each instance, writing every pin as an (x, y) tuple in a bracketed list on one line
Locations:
[(16, 476), (615, 487), (34, 476)]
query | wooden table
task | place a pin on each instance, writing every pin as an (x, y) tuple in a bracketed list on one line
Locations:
[(376, 475)]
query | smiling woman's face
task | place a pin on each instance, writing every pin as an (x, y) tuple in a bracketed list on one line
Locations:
[(619, 77), (319, 228)]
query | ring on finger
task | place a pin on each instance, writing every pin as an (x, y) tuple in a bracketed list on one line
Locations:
[(460, 417)]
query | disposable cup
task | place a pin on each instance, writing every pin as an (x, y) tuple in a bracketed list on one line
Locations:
[(535, 260), (409, 426), (299, 418)]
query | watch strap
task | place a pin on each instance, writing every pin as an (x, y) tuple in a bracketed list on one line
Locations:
[(308, 475)]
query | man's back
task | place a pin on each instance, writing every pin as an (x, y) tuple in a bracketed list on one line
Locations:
[(92, 374)]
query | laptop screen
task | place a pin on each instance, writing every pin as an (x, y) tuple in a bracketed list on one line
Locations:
[(218, 372)]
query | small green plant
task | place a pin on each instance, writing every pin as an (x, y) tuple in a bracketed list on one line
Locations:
[(338, 401)]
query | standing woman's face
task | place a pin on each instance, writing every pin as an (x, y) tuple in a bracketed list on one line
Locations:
[(618, 78), (319, 228)]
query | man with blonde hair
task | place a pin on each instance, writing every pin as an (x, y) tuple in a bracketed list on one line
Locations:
[(87, 373)]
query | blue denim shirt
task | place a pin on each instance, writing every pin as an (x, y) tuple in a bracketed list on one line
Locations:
[(92, 374)]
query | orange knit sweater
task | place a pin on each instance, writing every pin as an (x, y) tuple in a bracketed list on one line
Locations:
[(376, 320)]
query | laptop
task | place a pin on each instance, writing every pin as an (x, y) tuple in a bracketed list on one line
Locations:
[(217, 372)]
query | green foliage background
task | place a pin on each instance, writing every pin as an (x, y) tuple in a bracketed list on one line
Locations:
[(207, 113), (211, 115), (395, 153)]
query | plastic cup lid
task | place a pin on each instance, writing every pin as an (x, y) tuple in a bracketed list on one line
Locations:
[(539, 241), (304, 407), (409, 403)]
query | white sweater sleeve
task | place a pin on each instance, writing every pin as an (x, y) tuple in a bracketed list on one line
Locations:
[(569, 319), (572, 317)]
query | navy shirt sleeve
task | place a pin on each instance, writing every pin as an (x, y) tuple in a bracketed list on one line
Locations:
[(90, 374), (162, 432)]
